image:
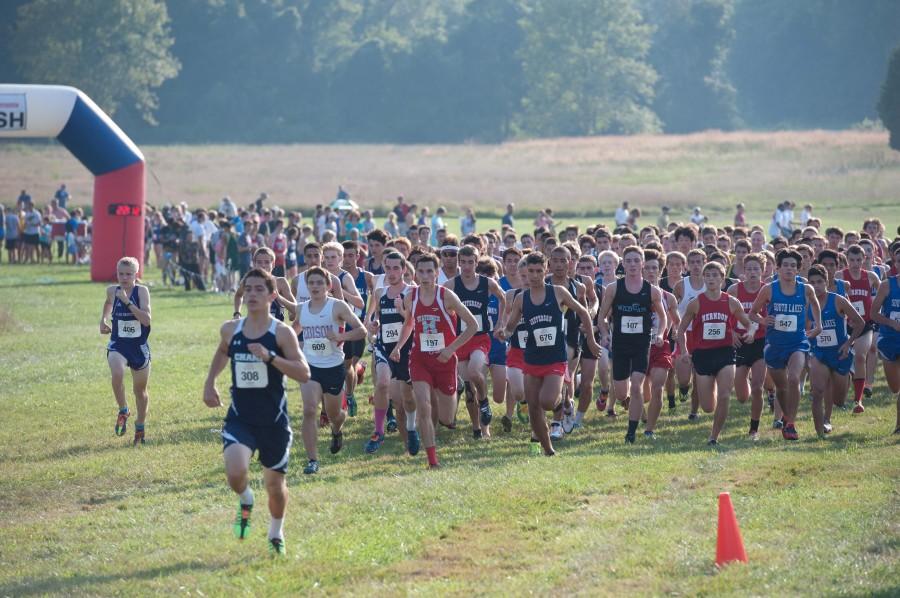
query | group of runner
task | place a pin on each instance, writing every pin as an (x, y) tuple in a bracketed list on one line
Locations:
[(705, 310)]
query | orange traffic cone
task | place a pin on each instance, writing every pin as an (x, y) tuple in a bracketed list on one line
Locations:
[(729, 545)]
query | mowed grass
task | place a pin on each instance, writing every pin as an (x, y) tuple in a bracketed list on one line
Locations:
[(84, 513), (847, 175)]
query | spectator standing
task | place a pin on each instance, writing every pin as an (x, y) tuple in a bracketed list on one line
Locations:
[(805, 215), (31, 232), (622, 215), (740, 215), (507, 219), (697, 217), (662, 222), (260, 200), (437, 222), (390, 225), (189, 257), (11, 235), (62, 196), (467, 223), (368, 223)]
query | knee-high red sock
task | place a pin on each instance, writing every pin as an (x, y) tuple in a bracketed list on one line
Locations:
[(858, 385), (432, 455)]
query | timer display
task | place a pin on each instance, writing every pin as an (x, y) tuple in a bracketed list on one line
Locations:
[(124, 209)]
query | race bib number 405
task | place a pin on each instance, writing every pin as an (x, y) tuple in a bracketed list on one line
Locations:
[(251, 374), (785, 323), (129, 329)]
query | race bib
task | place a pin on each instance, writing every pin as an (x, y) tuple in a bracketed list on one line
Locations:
[(320, 347), (895, 316), (827, 338), (860, 307), (713, 331), (431, 343), (390, 333), (545, 337), (785, 323), (523, 338), (478, 324), (251, 374), (129, 329), (632, 325)]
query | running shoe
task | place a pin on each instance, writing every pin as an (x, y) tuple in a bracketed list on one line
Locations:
[(506, 423), (626, 402), (629, 438), (477, 435), (771, 400), (897, 430), (693, 417), (337, 442), (867, 392), (778, 424), (374, 443), (323, 419), (522, 411), (351, 406), (391, 423), (242, 521), (412, 442), (649, 434), (568, 421), (671, 402), (556, 431), (122, 422), (312, 466), (858, 408), (602, 398), (828, 427), (754, 436), (712, 442), (611, 413), (789, 432), (276, 547), (484, 408), (360, 372), (138, 438)]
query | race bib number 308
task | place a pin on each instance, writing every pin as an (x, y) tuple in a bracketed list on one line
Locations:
[(251, 374)]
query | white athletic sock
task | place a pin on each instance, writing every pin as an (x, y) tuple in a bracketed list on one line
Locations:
[(579, 417), (276, 528), (410, 421), (246, 496)]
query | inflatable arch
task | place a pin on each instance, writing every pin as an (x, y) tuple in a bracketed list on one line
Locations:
[(115, 161)]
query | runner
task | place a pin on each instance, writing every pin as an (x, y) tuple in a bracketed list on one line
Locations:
[(793, 317), (712, 315), (515, 360), (586, 270), (312, 258), (886, 313), (629, 303), (608, 263), (685, 291), (432, 358), (385, 321), (545, 362), (353, 351), (264, 259), (661, 356), (750, 370), (497, 355), (832, 350), (262, 351), (377, 240), (323, 320), (475, 290), (861, 285), (128, 303)]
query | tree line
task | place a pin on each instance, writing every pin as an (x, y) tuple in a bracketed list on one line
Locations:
[(423, 71)]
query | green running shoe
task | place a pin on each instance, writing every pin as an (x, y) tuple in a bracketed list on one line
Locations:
[(242, 521), (276, 547)]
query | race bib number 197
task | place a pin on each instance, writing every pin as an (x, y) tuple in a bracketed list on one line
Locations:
[(431, 343)]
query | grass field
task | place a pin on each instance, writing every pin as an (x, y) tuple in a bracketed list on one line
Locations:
[(847, 176), (86, 514)]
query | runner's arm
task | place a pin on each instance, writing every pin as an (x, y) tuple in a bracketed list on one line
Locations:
[(219, 361), (357, 330), (285, 297), (106, 311), (293, 364), (565, 298), (762, 300), (609, 294), (660, 311), (497, 292), (689, 313), (238, 299), (514, 315), (855, 323), (455, 305), (408, 321), (816, 313), (351, 293)]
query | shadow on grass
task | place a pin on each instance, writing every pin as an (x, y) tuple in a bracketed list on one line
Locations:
[(82, 583)]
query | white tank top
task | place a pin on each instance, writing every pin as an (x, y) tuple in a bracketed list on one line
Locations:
[(688, 295), (318, 350), (302, 289)]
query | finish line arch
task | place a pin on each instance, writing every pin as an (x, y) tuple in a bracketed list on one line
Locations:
[(100, 145)]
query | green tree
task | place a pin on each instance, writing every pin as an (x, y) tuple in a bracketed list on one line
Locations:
[(889, 102), (116, 51), (585, 69)]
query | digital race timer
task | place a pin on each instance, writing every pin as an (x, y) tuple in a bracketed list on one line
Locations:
[(124, 209)]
